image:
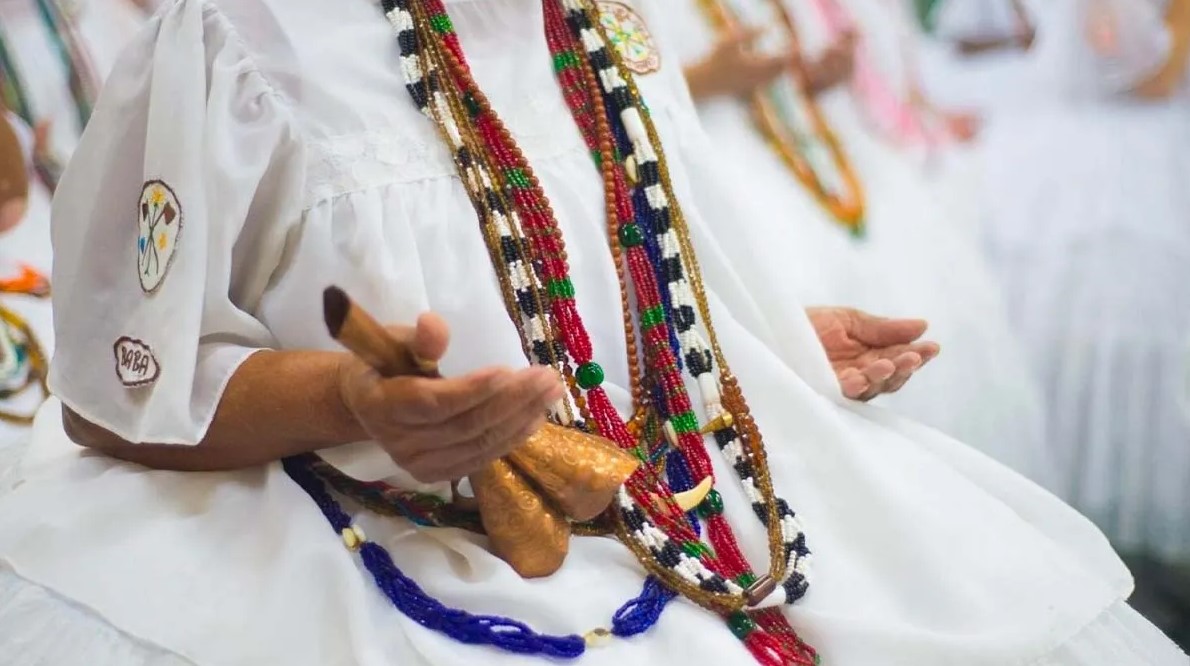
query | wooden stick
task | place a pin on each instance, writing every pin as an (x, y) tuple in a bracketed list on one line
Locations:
[(365, 337)]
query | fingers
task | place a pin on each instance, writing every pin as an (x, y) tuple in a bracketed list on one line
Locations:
[(419, 401), (763, 69), (490, 430), (516, 402), (459, 461), (879, 372), (906, 364), (886, 372), (879, 332), (742, 39), (427, 340), (430, 338), (927, 350), (853, 383)]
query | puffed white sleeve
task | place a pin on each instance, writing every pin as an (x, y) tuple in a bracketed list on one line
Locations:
[(167, 226)]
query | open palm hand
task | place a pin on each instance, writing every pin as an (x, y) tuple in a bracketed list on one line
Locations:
[(871, 355)]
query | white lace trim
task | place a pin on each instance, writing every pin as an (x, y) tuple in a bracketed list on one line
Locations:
[(350, 163)]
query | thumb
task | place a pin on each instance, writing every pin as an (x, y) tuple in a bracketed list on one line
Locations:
[(419, 347), (880, 332), (430, 338)]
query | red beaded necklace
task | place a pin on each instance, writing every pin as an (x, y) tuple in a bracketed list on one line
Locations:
[(527, 249)]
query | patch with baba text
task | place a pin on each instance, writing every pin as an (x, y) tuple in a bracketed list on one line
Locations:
[(160, 230), (627, 31), (135, 363)]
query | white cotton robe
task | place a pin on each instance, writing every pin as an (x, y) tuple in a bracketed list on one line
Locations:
[(1087, 196)]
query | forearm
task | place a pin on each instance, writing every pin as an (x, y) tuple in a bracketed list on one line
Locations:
[(1172, 73), (277, 404)]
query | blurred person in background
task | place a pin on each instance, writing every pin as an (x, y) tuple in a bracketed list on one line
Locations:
[(821, 118), (1087, 199), (53, 56)]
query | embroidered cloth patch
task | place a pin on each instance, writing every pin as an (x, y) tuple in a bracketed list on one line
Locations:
[(135, 363), (160, 222), (628, 33)]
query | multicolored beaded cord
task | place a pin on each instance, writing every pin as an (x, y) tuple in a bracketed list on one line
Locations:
[(23, 364), (651, 180), (691, 567), (789, 118), (527, 251)]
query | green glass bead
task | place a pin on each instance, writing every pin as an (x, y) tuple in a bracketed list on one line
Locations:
[(685, 423), (471, 104), (652, 317), (696, 549), (561, 288), (517, 178), (564, 60), (741, 625), (745, 579), (441, 24), (631, 235), (712, 505), (589, 375)]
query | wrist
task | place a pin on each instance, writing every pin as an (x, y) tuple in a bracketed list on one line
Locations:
[(341, 401)]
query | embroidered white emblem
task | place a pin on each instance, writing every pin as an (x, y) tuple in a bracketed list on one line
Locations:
[(628, 33), (160, 222), (135, 363)]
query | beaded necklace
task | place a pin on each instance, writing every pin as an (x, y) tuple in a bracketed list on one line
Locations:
[(789, 118), (903, 117), (528, 254), (67, 44), (23, 363)]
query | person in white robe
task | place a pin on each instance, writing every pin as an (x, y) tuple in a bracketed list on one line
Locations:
[(916, 259), (985, 54), (56, 54), (297, 160), (1093, 249)]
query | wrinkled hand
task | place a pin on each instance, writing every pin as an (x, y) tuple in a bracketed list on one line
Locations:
[(734, 69), (442, 429), (871, 355)]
